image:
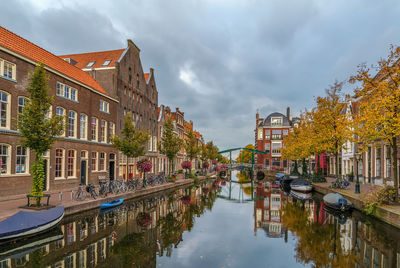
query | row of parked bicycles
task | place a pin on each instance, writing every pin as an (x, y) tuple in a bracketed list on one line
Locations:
[(116, 186)]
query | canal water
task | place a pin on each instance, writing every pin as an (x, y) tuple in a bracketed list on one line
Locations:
[(215, 224)]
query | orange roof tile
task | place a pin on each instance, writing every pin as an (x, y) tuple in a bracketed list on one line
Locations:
[(29, 50), (99, 58)]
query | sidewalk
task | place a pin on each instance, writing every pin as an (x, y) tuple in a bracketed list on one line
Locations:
[(387, 213), (12, 204)]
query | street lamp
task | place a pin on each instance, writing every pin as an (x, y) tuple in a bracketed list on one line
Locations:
[(357, 186)]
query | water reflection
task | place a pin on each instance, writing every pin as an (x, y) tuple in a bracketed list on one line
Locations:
[(147, 233), (128, 236), (324, 238)]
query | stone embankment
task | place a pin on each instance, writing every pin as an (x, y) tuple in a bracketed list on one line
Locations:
[(387, 213)]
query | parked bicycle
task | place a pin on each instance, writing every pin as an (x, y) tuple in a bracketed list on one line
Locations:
[(80, 195), (92, 191), (341, 184)]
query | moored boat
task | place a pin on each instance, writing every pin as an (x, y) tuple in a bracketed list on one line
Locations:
[(301, 195), (301, 185), (337, 201), (26, 223), (287, 179), (279, 176), (112, 204)]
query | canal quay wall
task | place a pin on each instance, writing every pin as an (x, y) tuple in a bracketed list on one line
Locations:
[(13, 204), (387, 213)]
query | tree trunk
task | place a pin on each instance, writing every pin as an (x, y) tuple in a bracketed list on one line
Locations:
[(337, 165), (394, 167)]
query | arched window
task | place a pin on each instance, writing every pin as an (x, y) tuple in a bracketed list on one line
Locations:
[(83, 127), (71, 124), (59, 165), (4, 109), (61, 112), (71, 163)]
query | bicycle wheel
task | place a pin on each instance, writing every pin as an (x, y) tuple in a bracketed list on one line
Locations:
[(80, 195), (93, 193)]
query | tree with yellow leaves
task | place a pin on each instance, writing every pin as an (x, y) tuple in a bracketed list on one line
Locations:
[(331, 125), (378, 115)]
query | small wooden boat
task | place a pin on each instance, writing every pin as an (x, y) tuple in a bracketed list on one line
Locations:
[(301, 195), (301, 185), (337, 201), (26, 223), (112, 204)]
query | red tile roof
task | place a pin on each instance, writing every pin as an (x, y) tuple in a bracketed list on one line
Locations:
[(99, 58), (29, 50)]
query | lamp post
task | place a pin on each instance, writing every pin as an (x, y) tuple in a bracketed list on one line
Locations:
[(357, 186)]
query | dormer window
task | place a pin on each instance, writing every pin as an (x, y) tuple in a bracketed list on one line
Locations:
[(106, 62), (277, 121), (90, 64)]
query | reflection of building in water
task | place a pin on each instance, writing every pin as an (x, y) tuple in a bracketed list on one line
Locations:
[(268, 209), (88, 239)]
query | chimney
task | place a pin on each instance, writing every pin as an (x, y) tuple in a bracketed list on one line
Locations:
[(288, 113), (257, 116)]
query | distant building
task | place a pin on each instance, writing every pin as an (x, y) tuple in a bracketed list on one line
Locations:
[(269, 138)]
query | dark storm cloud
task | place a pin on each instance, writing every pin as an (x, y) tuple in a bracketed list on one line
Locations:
[(221, 60)]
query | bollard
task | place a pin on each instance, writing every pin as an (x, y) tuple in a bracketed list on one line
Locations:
[(60, 196), (72, 194)]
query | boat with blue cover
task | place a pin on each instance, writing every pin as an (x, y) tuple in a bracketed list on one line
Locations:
[(26, 223), (112, 204), (337, 201)]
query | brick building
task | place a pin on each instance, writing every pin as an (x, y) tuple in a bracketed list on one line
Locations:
[(121, 74), (83, 152), (269, 138)]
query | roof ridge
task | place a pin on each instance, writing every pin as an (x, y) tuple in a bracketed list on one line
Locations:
[(94, 52)]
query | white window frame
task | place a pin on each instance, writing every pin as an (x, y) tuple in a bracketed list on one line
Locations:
[(83, 128), (104, 164), (276, 118), (65, 91), (74, 126), (96, 160), (62, 164), (26, 160), (13, 69), (73, 176), (96, 134), (104, 107), (8, 109), (8, 159), (103, 131), (65, 119)]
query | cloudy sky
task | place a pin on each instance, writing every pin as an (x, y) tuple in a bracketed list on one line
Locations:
[(221, 60)]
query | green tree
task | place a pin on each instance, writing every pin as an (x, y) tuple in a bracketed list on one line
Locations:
[(212, 151), (190, 145), (170, 144), (37, 128), (133, 142), (244, 155)]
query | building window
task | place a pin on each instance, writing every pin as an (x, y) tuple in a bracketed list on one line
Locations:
[(378, 162), (276, 162), (268, 148), (94, 161), (276, 148), (388, 162), (102, 161), (4, 109), (267, 163), (21, 160), (4, 159), (66, 92), (61, 112), (276, 134), (94, 128), (21, 104), (9, 70), (111, 131), (83, 127), (276, 121), (285, 132), (267, 134), (259, 134), (284, 163), (71, 123), (103, 128), (90, 64), (106, 62), (104, 106), (59, 163), (71, 163)]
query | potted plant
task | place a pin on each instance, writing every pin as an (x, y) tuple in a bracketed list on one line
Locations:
[(144, 166), (186, 165)]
